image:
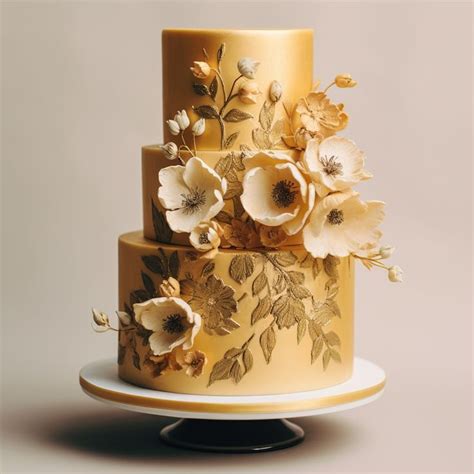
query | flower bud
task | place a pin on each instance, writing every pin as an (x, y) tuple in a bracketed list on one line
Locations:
[(345, 80), (170, 287), (199, 127), (200, 69), (173, 127), (182, 119), (100, 318), (276, 91), (303, 136), (395, 274), (248, 67), (386, 251), (124, 317), (248, 92), (170, 150)]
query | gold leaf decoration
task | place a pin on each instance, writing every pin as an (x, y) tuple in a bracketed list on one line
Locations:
[(247, 359), (301, 330), (318, 345), (326, 358), (267, 113), (224, 217), (259, 283), (220, 54), (241, 267), (236, 115), (230, 140), (268, 342), (333, 339), (201, 89), (221, 370), (163, 232), (261, 139), (262, 310), (213, 88), (285, 259), (330, 264), (207, 111)]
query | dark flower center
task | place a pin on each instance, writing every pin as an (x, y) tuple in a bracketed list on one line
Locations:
[(204, 238), (173, 324), (193, 201), (331, 166), (336, 217), (284, 193)]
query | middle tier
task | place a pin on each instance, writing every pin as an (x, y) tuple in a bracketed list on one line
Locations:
[(228, 164)]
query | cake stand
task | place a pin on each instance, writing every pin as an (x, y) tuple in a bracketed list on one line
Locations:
[(232, 423)]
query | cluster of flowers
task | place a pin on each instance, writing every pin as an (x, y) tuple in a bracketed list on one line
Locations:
[(173, 326), (282, 195)]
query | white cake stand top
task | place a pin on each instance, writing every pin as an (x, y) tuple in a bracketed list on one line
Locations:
[(100, 381)]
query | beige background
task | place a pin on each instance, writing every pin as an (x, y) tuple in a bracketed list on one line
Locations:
[(81, 94)]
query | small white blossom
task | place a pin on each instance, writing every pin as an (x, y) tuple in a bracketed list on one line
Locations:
[(395, 274), (248, 67), (199, 127), (124, 317), (182, 119), (200, 69), (170, 150), (386, 251), (276, 91), (173, 127), (100, 318)]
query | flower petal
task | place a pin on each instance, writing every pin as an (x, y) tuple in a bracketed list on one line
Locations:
[(198, 175), (172, 187)]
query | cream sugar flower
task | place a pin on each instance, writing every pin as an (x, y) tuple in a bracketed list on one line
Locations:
[(205, 237), (193, 193), (342, 224), (335, 164), (275, 192), (172, 322)]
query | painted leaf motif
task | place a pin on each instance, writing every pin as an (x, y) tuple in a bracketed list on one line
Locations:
[(230, 140), (317, 348), (232, 353), (207, 111), (241, 267), (302, 325), (330, 264), (335, 355), (138, 296), (236, 115), (213, 88), (278, 130), (300, 292), (122, 350), (208, 268), (136, 360), (267, 343), (200, 89), (267, 112), (287, 311), (224, 217), (148, 284), (279, 283), (260, 139), (236, 372), (234, 190), (314, 330), (262, 310), (259, 283), (326, 358), (296, 277), (221, 370), (333, 339), (163, 233), (174, 264), (154, 264), (220, 54), (224, 165), (285, 259), (247, 359)]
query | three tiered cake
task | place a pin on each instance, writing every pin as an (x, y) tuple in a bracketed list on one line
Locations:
[(242, 281)]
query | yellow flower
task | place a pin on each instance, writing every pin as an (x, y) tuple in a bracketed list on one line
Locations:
[(317, 114), (248, 92), (344, 80), (200, 69), (272, 236)]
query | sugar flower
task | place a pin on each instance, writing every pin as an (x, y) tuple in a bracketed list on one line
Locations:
[(182, 119), (249, 92), (173, 127), (341, 224), (192, 193), (276, 91), (170, 150), (344, 80), (205, 238), (172, 322), (248, 67), (275, 192), (193, 363), (199, 127), (395, 274), (316, 113), (335, 164), (240, 234), (200, 69)]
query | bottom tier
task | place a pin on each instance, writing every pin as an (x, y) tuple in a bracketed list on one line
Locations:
[(271, 321)]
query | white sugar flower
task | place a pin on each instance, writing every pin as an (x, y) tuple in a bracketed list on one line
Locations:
[(173, 127), (276, 91), (193, 193), (170, 150), (395, 274), (205, 238), (248, 67), (341, 224), (275, 192), (335, 164), (199, 127), (172, 322), (249, 92), (182, 119), (386, 251), (200, 69)]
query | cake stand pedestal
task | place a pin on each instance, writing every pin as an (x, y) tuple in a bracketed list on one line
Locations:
[(233, 423)]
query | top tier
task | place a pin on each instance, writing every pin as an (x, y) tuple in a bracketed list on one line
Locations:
[(285, 56)]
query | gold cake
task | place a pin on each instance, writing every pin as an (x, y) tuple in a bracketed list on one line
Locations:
[(242, 281)]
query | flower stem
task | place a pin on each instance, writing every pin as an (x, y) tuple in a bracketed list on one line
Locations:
[(194, 144), (375, 261), (218, 74), (330, 85), (231, 95)]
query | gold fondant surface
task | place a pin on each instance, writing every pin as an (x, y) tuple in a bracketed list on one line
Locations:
[(289, 369), (284, 55)]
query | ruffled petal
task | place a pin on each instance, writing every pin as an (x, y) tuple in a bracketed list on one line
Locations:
[(172, 187)]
